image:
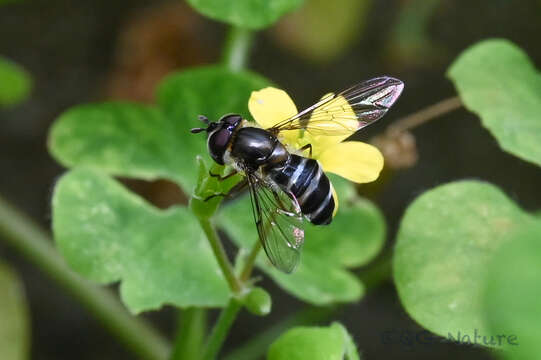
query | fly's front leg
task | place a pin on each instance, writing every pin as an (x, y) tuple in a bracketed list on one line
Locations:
[(234, 190), (307, 146), (215, 195), (222, 178)]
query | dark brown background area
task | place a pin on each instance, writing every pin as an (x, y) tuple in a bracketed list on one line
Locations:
[(73, 50)]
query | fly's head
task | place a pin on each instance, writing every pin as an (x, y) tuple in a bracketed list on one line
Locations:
[(219, 134)]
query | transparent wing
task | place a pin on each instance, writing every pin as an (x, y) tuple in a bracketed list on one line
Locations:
[(347, 111), (279, 223)]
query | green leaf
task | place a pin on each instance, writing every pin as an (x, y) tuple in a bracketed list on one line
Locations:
[(108, 234), (15, 83), (445, 241), (145, 142), (356, 216), (252, 14), (321, 278), (314, 343), (497, 81), (207, 185), (14, 326), (512, 299), (121, 139)]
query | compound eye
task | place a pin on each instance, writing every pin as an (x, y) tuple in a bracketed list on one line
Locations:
[(220, 138), (218, 143), (232, 119)]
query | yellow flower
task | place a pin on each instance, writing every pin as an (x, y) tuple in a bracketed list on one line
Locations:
[(353, 160)]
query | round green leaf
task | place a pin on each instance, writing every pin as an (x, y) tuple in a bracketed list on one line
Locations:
[(212, 91), (314, 343), (15, 83), (445, 241), (14, 329), (108, 234), (512, 300), (359, 226), (145, 142), (121, 139), (497, 81), (252, 14), (321, 277)]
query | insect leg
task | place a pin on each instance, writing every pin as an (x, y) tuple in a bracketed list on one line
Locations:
[(222, 178), (307, 146), (234, 190), (297, 209)]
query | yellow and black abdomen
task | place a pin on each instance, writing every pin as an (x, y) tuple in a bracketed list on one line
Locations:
[(304, 178)]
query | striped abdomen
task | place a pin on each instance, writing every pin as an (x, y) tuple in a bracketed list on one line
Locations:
[(304, 178)]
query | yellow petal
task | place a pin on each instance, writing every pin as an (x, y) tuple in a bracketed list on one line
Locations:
[(353, 160), (269, 106)]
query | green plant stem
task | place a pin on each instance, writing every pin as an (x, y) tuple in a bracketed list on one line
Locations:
[(190, 334), (34, 244), (237, 47), (221, 256), (235, 56), (424, 115), (221, 328), (250, 261)]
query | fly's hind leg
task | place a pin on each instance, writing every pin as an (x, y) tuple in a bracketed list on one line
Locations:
[(234, 191), (307, 146)]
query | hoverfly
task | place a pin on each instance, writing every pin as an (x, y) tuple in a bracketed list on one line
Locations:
[(286, 187)]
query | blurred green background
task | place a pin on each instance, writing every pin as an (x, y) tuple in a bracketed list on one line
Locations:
[(78, 52)]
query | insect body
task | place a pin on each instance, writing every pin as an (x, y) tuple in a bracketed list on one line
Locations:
[(254, 149), (284, 186)]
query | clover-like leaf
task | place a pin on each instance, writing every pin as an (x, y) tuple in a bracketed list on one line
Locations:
[(14, 329), (108, 234), (252, 14), (353, 238), (314, 343), (512, 299), (445, 242), (497, 81), (15, 83), (122, 139), (133, 140)]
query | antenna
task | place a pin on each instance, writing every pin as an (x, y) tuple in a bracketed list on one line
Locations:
[(205, 121)]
